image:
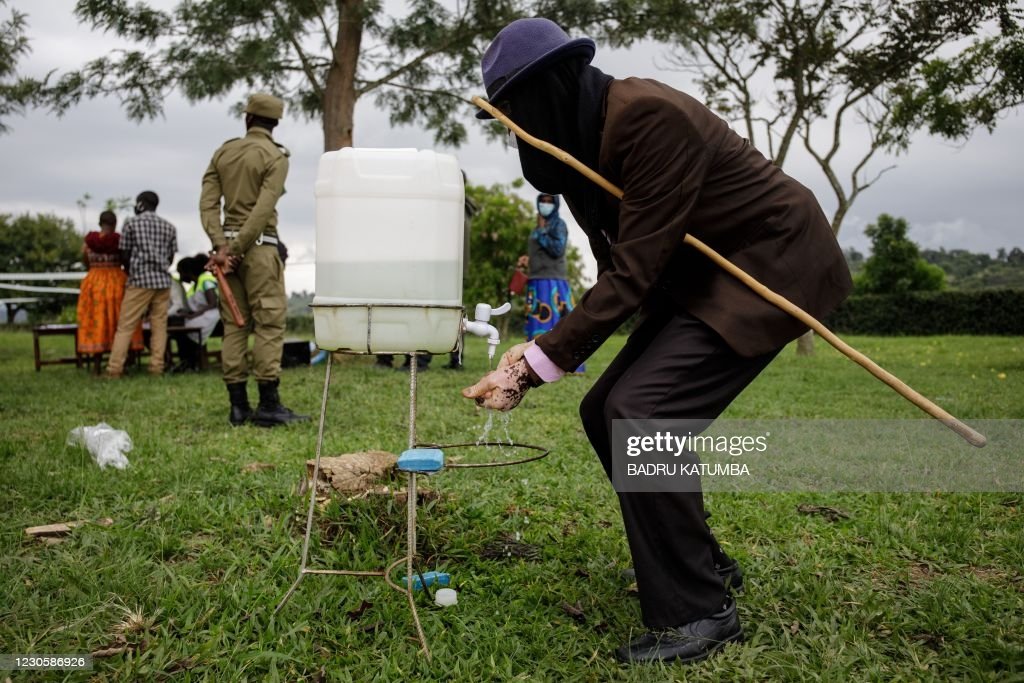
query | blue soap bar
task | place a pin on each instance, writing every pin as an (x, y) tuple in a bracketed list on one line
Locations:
[(421, 460), (442, 579)]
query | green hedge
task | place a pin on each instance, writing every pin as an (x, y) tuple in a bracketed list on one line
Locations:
[(993, 311), (996, 311), (299, 324)]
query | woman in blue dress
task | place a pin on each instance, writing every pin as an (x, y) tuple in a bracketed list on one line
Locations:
[(548, 296)]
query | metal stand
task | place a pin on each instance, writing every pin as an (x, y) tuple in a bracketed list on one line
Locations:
[(410, 514), (410, 551)]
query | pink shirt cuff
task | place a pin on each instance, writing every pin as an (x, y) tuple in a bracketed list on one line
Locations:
[(542, 365)]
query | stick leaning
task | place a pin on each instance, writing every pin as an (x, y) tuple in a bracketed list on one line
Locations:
[(970, 435), (229, 297)]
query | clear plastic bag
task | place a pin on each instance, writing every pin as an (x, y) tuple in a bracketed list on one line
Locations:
[(106, 444)]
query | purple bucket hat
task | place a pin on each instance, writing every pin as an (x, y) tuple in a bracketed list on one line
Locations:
[(523, 47)]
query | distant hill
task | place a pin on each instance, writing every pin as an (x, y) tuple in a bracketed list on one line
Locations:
[(966, 270), (969, 271)]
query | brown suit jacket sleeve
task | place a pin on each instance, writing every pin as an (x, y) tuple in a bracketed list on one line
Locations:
[(599, 245), (601, 250), (662, 161)]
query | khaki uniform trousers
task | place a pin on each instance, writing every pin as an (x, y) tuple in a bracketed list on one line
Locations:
[(258, 286), (136, 302)]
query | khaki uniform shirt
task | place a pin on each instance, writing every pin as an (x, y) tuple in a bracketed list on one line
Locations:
[(249, 173)]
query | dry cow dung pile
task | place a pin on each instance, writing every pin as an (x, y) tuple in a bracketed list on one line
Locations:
[(353, 473)]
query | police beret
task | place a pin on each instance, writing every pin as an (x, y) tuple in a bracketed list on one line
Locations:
[(262, 104)]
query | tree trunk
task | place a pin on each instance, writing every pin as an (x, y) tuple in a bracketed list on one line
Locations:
[(839, 215), (805, 344), (340, 90)]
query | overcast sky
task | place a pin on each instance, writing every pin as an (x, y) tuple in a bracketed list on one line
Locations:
[(967, 196)]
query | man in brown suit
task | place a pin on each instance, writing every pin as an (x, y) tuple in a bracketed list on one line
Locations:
[(704, 336)]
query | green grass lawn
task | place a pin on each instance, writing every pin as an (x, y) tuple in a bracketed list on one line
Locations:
[(910, 587)]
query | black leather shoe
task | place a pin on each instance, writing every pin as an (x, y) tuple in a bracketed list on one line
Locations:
[(732, 576), (183, 367), (687, 643)]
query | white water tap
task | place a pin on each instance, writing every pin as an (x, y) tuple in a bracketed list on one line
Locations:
[(481, 327)]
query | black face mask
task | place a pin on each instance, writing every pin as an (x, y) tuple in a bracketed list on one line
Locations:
[(544, 106), (561, 105), (544, 172)]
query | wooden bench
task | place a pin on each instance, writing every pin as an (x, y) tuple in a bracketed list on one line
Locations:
[(80, 359), (55, 330)]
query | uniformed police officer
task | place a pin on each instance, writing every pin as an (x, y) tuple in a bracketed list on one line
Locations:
[(249, 174)]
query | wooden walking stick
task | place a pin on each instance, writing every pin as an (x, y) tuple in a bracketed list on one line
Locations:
[(229, 297), (970, 435)]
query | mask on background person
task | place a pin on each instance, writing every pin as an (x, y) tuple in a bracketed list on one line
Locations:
[(546, 208)]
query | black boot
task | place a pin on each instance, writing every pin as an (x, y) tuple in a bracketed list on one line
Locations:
[(270, 412), (240, 410)]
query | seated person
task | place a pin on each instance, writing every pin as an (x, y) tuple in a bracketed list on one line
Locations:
[(178, 307), (201, 309)]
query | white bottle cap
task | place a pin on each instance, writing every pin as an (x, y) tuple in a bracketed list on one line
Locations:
[(445, 597)]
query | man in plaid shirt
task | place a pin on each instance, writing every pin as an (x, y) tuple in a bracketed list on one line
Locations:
[(148, 243)]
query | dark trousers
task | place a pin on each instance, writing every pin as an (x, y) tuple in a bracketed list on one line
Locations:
[(188, 349), (672, 367)]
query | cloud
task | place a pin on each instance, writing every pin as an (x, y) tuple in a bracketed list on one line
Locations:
[(965, 197)]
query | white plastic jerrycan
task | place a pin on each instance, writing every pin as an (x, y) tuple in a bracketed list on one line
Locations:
[(389, 251)]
